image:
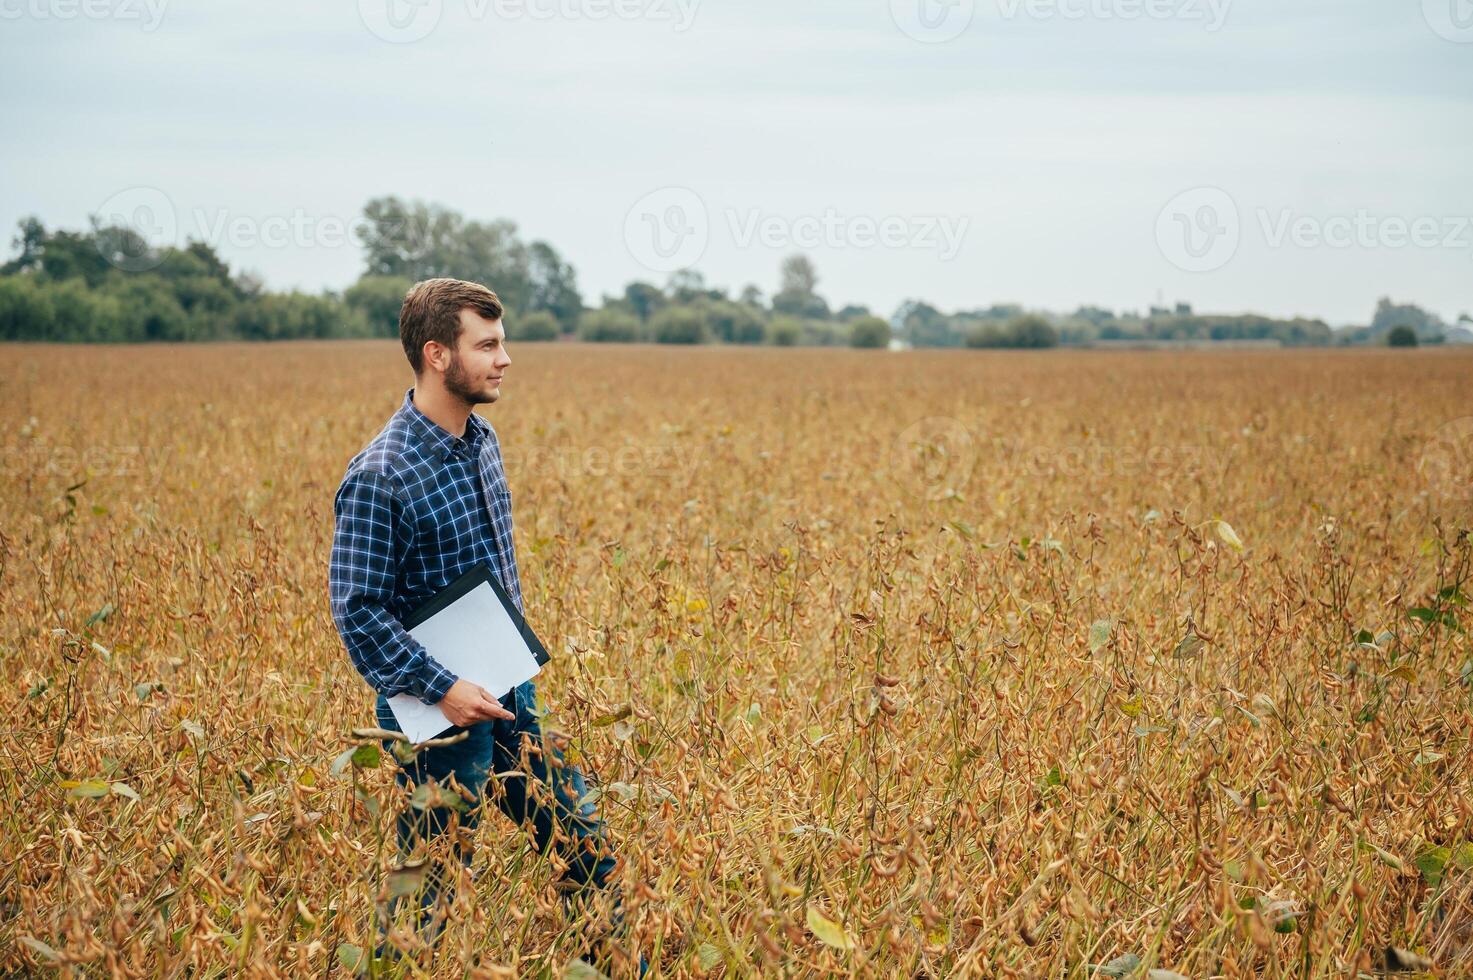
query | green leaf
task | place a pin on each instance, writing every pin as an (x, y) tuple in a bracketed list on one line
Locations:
[(91, 789), (1054, 777), (1452, 595), (708, 956), (366, 756), (1120, 966), (1432, 862), (618, 714), (125, 791), (406, 880), (99, 616), (148, 687), (1099, 634), (427, 796), (829, 932), (1189, 646), (582, 970), (353, 958)]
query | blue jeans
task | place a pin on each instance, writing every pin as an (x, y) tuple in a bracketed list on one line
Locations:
[(535, 788)]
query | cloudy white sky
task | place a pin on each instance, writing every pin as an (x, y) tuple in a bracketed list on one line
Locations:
[(1279, 156)]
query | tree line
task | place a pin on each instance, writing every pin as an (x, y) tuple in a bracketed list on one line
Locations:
[(109, 284)]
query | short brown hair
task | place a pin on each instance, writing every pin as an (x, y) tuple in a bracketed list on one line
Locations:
[(431, 311)]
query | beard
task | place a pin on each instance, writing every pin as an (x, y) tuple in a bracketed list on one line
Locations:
[(460, 384)]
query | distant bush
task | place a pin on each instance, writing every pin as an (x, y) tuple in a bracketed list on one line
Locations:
[(734, 323), (608, 327), (678, 325), (1029, 331), (537, 325), (784, 331), (379, 298), (869, 331), (824, 333), (281, 316)]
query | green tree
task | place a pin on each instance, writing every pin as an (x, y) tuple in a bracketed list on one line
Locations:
[(869, 331), (1032, 331), (537, 325), (378, 300), (422, 241), (798, 295), (1390, 315), (925, 326), (644, 300), (1401, 336), (553, 283), (733, 323), (679, 325)]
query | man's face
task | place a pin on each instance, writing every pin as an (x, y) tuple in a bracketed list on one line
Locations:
[(478, 361)]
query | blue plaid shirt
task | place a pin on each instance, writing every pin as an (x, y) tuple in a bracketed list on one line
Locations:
[(417, 508)]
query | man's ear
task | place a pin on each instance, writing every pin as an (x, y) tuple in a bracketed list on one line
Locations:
[(436, 356)]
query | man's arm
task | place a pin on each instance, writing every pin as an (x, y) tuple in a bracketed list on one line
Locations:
[(370, 522)]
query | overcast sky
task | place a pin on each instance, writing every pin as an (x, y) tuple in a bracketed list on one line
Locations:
[(1277, 156)]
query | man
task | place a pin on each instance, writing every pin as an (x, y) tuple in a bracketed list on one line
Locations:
[(423, 502)]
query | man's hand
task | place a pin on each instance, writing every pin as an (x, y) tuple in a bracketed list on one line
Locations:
[(466, 703)]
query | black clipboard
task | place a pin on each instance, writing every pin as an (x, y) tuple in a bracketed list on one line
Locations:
[(479, 574)]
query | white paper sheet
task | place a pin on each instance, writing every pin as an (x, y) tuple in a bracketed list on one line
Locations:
[(476, 639)]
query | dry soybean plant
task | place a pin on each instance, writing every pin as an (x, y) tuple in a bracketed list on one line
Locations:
[(932, 664)]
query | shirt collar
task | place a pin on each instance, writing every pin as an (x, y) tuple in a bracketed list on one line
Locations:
[(440, 442)]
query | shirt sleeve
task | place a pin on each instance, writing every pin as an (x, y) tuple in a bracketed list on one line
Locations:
[(370, 522)]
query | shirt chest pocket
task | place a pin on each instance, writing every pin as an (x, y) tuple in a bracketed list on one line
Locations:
[(498, 510)]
